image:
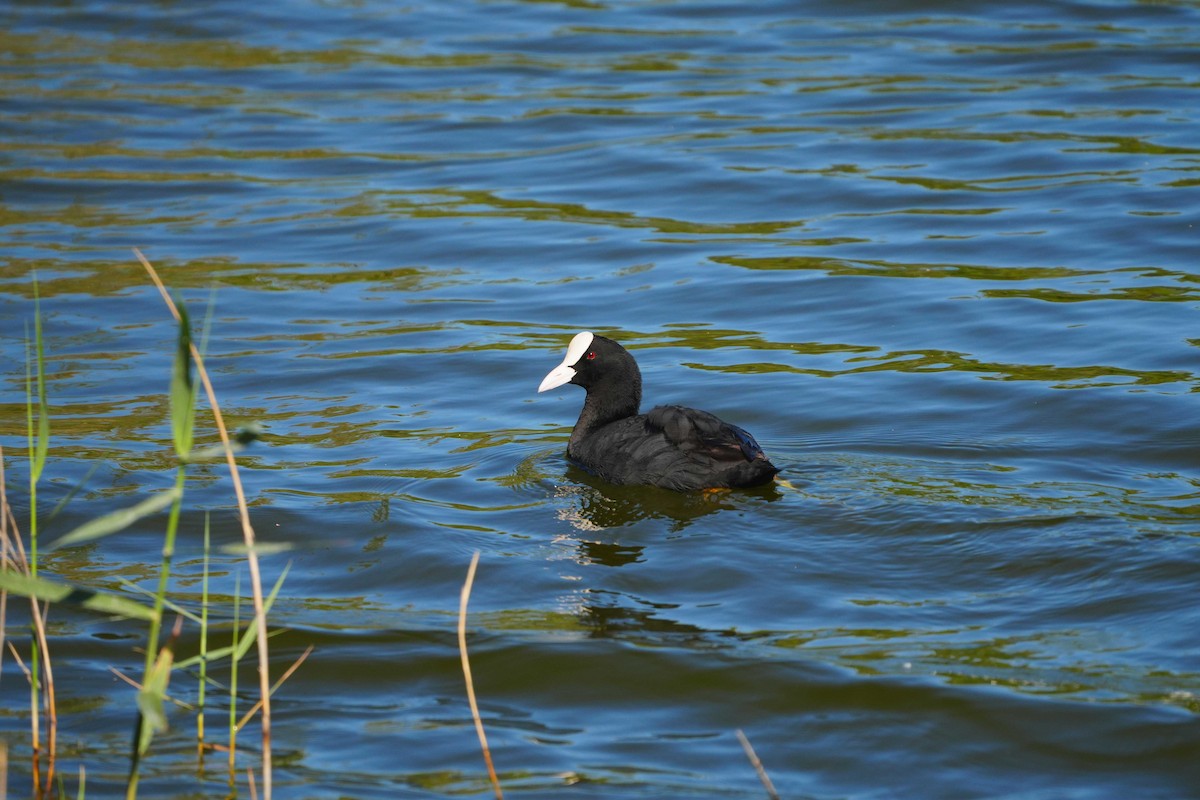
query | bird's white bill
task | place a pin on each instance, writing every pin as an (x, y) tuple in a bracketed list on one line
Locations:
[(565, 371), (557, 377)]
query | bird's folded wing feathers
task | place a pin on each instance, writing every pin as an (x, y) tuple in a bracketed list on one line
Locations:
[(691, 429)]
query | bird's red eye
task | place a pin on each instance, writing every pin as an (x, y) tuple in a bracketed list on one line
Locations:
[(591, 355)]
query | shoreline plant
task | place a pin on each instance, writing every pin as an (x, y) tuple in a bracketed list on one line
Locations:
[(20, 576)]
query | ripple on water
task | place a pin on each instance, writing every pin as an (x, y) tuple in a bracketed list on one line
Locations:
[(941, 264)]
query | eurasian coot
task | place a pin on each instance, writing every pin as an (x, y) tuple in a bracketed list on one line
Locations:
[(670, 446)]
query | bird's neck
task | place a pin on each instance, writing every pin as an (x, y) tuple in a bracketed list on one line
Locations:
[(605, 404)]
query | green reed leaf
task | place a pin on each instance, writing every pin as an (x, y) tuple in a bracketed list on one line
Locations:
[(216, 654), (252, 629), (183, 389), (118, 520), (90, 599), (35, 375), (152, 696)]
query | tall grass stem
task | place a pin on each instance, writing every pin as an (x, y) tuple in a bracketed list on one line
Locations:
[(247, 534), (233, 678), (464, 597), (203, 637), (758, 765), (39, 444)]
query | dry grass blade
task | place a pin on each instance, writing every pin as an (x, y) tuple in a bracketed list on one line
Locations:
[(21, 561), (51, 705), (758, 766), (172, 700), (20, 662), (125, 678), (6, 562), (5, 513), (39, 628), (247, 534), (466, 668), (249, 715)]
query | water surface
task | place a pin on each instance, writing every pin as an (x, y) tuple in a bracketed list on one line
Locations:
[(939, 259)]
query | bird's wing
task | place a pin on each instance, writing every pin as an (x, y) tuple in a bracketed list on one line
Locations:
[(698, 431)]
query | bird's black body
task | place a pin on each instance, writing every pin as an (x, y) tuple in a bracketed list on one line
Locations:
[(674, 447)]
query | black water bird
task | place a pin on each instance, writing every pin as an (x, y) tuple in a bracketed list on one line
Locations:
[(674, 447)]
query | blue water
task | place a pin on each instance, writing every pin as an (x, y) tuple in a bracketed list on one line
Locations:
[(938, 259)]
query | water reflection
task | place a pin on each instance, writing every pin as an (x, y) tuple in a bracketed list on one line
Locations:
[(626, 617), (598, 505), (609, 554)]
